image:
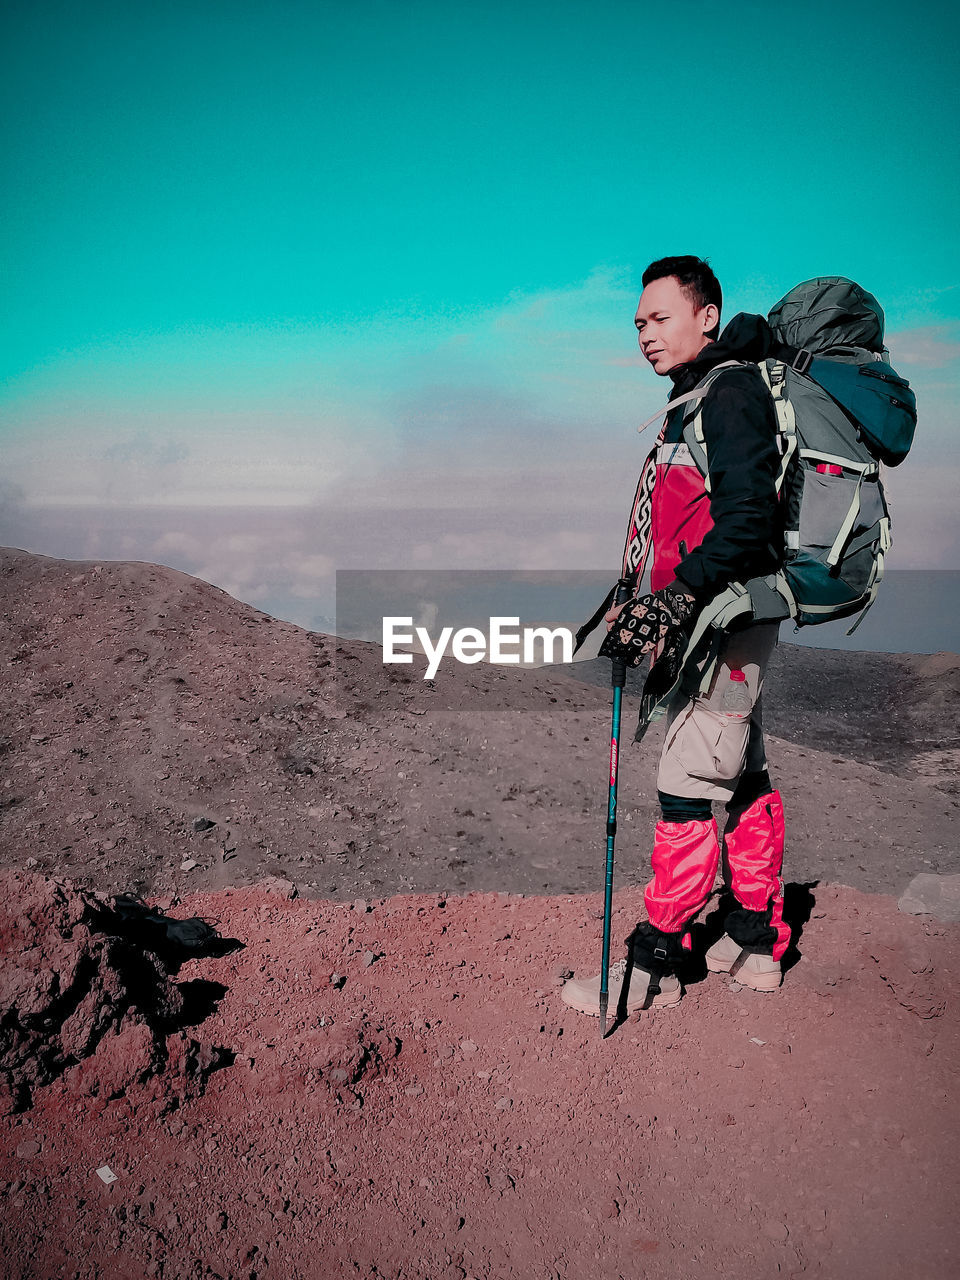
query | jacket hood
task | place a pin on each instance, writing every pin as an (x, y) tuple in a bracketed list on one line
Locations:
[(746, 337)]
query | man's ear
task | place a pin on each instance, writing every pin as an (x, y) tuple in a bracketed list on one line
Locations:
[(709, 317)]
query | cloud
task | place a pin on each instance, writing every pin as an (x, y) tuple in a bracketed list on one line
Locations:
[(925, 347), (12, 495), (306, 415), (626, 362), (142, 466), (495, 439), (251, 566), (177, 543), (926, 524)]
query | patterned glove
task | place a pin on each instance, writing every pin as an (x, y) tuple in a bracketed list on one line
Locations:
[(644, 622)]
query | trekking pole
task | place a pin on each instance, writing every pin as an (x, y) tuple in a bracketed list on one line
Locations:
[(618, 676)]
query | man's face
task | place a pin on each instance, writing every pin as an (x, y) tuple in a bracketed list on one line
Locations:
[(670, 328)]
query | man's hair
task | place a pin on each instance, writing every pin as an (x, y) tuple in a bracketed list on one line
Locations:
[(696, 280)]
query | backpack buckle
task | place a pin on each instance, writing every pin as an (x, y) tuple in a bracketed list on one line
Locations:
[(802, 360)]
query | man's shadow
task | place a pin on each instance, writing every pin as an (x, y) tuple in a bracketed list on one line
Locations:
[(798, 904)]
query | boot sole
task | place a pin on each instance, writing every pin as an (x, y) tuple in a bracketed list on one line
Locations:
[(756, 982), (663, 1000), (763, 982)]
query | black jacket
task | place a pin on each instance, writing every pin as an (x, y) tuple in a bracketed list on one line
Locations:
[(740, 430)]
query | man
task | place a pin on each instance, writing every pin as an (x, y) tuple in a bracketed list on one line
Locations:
[(706, 533)]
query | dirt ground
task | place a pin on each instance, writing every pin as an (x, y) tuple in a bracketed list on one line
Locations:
[(392, 1086)]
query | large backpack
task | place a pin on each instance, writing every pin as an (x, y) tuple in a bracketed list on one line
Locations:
[(842, 412)]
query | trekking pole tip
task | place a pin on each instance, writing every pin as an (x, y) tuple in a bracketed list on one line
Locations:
[(603, 1016)]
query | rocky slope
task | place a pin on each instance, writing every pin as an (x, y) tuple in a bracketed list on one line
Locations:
[(152, 723)]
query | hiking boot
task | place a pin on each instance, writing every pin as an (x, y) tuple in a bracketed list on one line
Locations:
[(583, 994), (750, 968), (723, 954)]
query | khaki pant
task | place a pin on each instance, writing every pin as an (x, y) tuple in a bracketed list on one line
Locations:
[(705, 751)]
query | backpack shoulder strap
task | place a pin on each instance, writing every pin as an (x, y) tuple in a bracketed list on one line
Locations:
[(693, 436), (698, 392), (774, 374)]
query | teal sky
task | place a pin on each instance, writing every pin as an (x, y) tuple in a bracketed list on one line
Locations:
[(330, 258)]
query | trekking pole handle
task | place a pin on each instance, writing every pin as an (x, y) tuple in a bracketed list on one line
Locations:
[(618, 668)]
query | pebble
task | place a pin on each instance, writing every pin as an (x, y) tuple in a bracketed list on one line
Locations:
[(203, 824), (188, 864), (504, 1104), (467, 1048), (413, 1090), (360, 906), (368, 958), (28, 1149)]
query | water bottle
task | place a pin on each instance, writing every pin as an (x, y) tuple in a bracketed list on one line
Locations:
[(735, 699)]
